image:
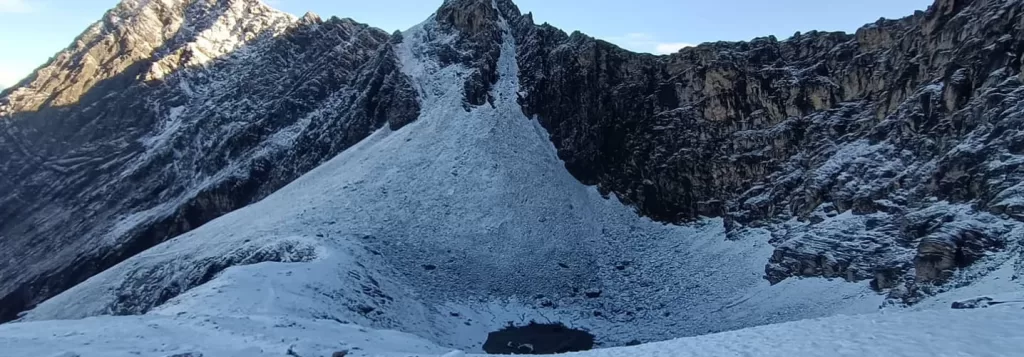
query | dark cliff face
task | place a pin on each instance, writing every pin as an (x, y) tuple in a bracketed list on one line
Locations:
[(148, 154), (891, 154), (476, 45), (905, 123)]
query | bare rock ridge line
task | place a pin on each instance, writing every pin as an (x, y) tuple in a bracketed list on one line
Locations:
[(892, 154)]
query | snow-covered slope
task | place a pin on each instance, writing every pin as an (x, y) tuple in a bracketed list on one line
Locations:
[(452, 227), (992, 332)]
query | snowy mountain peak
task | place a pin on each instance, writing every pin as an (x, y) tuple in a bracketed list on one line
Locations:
[(144, 40), (310, 18), (213, 28), (469, 16), (474, 16)]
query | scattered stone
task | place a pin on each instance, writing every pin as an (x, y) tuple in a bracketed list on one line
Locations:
[(341, 353), (975, 303), (593, 293), (429, 266), (73, 354), (186, 354)]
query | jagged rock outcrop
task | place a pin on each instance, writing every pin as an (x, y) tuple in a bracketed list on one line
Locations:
[(891, 155), (475, 44), (180, 126)]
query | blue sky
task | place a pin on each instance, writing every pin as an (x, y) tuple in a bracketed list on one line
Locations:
[(33, 30)]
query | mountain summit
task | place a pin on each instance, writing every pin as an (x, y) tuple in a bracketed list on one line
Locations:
[(142, 40), (221, 158)]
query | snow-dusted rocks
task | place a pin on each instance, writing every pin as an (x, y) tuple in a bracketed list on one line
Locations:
[(323, 174)]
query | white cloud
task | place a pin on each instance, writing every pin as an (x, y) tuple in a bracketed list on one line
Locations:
[(9, 78), (671, 47), (14, 6), (633, 40), (643, 42), (635, 37)]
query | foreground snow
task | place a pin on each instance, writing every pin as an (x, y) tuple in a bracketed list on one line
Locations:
[(994, 331)]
